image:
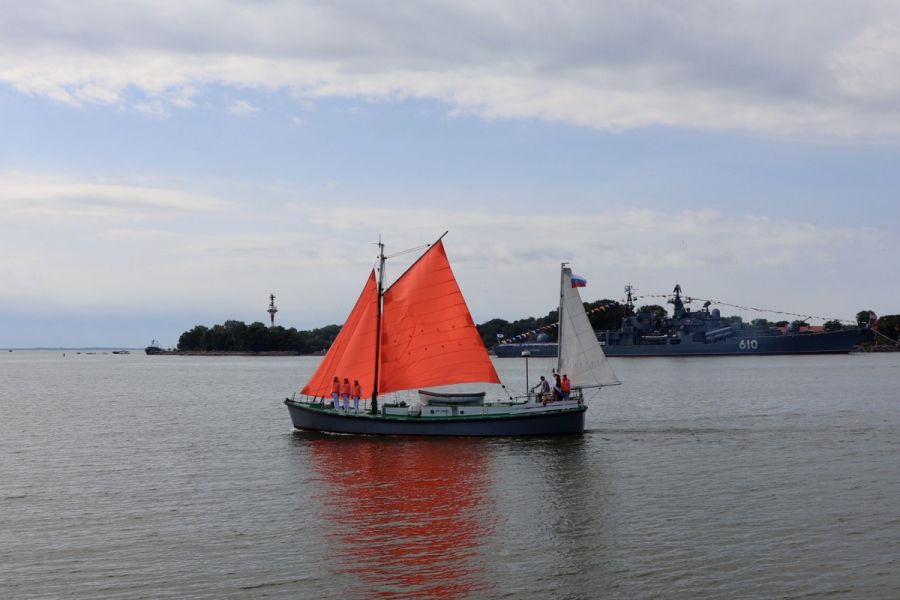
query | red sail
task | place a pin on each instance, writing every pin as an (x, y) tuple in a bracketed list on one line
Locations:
[(428, 336), (352, 355)]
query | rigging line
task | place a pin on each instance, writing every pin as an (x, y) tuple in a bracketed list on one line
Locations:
[(417, 248), (513, 390), (402, 252), (894, 342), (691, 299)]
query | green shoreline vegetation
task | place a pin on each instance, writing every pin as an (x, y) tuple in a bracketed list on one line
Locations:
[(257, 338), (237, 336)]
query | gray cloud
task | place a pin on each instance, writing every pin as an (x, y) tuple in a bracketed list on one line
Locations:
[(825, 67), (28, 199)]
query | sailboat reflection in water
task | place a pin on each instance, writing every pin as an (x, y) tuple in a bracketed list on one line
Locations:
[(401, 549), (419, 333)]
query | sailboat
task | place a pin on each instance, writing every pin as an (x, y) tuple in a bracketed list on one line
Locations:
[(419, 333)]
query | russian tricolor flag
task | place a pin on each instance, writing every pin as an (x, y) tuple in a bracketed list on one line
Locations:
[(578, 281)]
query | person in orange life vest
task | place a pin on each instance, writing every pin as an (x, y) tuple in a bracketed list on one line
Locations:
[(357, 392), (335, 392), (566, 385), (345, 395)]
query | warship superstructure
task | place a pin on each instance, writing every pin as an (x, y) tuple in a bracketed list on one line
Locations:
[(706, 332)]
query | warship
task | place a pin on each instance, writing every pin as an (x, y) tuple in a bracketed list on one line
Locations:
[(702, 333)]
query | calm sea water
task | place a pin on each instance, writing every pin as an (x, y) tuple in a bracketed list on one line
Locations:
[(179, 477)]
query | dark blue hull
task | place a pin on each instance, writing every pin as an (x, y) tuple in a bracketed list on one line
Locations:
[(830, 342), (312, 418)]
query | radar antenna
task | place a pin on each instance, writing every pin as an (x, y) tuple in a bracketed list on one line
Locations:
[(629, 299)]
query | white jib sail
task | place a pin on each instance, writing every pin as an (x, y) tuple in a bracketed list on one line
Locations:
[(580, 355)]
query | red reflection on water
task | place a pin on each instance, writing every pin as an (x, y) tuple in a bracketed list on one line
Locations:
[(408, 515)]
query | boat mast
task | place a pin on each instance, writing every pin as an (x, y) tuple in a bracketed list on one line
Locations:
[(559, 316), (378, 325)]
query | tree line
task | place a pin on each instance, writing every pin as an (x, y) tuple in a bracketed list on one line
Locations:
[(887, 327), (237, 336)]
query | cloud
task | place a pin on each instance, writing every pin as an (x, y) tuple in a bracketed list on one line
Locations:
[(96, 246), (241, 108), (810, 67), (142, 211), (864, 67), (29, 199), (503, 240)]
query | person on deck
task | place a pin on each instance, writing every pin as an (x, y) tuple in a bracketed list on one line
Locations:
[(335, 392), (566, 385), (557, 389), (357, 392), (543, 389), (345, 395)]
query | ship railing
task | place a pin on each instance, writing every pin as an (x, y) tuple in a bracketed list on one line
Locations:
[(575, 394), (305, 399)]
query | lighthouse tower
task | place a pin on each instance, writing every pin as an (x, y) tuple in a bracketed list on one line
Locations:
[(272, 310)]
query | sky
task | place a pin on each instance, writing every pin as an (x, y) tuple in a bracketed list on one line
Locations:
[(168, 164)]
